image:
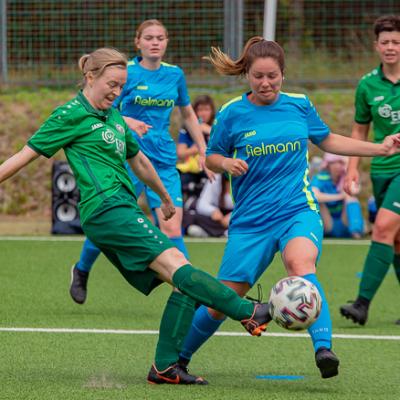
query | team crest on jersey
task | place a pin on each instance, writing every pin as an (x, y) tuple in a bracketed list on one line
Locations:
[(385, 111), (108, 136), (120, 128)]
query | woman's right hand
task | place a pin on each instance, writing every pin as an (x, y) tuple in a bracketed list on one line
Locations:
[(351, 181), (140, 127), (235, 166)]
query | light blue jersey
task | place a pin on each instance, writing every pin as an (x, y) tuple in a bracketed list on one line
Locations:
[(273, 140), (324, 183), (150, 96)]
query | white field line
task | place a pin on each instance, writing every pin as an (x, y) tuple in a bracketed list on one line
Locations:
[(341, 242), (153, 332)]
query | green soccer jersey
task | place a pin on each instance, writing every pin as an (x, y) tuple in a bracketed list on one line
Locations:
[(96, 144), (378, 101)]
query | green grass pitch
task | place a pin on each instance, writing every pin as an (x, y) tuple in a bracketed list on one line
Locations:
[(34, 282)]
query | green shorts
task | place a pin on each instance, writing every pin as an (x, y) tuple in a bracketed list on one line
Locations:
[(128, 239), (386, 190)]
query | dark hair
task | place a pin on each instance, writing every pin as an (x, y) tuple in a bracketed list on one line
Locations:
[(256, 47), (387, 23), (205, 100)]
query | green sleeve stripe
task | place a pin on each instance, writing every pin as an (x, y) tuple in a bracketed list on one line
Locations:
[(230, 180), (37, 150), (310, 199), (296, 95), (230, 102)]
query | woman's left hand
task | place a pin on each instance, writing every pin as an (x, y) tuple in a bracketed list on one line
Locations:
[(391, 144), (168, 208)]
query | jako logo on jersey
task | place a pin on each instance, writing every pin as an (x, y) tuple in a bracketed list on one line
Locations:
[(97, 126), (251, 133), (154, 102), (142, 87), (266, 149), (108, 136)]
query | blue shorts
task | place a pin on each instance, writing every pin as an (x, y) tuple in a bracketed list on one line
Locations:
[(339, 229), (248, 255), (169, 177)]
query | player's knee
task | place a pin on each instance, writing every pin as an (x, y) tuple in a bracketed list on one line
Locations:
[(382, 232), (300, 267)]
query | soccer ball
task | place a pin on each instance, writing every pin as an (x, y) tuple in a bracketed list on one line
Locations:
[(295, 303)]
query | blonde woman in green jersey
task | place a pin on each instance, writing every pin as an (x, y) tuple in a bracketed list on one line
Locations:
[(378, 102), (96, 142)]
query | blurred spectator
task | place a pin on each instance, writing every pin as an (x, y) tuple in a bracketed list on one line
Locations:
[(192, 178), (341, 213), (210, 214), (372, 210)]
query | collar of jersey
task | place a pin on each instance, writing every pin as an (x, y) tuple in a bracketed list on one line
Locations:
[(89, 108), (383, 77), (137, 60), (247, 101)]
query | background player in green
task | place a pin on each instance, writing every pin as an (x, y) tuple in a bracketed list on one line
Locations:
[(96, 142), (152, 90), (378, 101)]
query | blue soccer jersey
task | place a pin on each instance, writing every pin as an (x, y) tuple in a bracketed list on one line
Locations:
[(150, 96), (273, 140), (323, 182)]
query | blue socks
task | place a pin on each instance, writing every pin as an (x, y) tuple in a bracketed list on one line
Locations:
[(89, 255), (179, 243), (321, 329), (354, 217), (203, 327)]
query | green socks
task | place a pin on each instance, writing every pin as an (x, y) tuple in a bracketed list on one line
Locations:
[(396, 265), (377, 263), (175, 324), (208, 291)]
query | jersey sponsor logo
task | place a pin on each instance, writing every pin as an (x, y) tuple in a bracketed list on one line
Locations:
[(97, 126), (149, 101), (249, 134), (108, 136), (386, 111), (273, 148), (120, 128)]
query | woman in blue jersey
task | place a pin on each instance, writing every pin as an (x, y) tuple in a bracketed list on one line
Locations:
[(260, 139), (152, 91)]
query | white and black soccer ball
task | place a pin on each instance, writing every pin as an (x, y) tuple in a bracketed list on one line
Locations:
[(295, 303)]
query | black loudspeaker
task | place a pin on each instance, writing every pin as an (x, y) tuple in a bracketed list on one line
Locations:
[(65, 199)]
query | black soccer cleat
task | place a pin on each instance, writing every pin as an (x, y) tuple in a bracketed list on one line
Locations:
[(357, 311), (259, 320), (78, 288), (174, 375), (327, 362)]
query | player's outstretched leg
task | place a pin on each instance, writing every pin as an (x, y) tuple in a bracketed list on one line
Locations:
[(208, 291), (321, 335), (80, 272)]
